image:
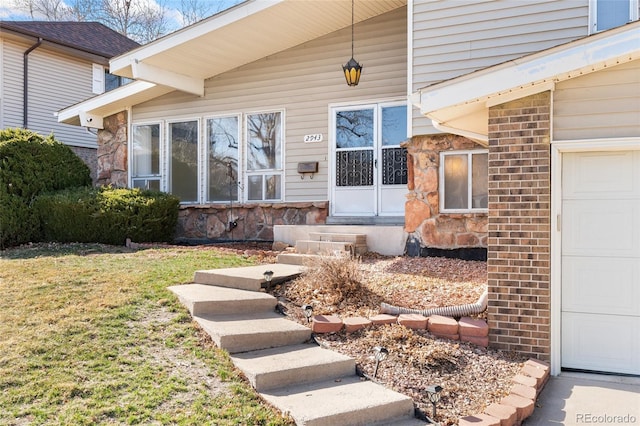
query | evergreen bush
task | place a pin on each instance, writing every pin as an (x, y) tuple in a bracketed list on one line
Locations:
[(108, 215), (31, 164)]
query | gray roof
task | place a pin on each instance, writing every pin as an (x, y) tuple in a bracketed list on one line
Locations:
[(91, 37)]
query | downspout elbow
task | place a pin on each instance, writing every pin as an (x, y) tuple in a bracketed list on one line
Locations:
[(25, 82)]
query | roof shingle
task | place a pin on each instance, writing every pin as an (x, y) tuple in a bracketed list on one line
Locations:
[(92, 37)]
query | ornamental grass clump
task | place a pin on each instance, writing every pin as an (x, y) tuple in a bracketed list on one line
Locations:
[(329, 282)]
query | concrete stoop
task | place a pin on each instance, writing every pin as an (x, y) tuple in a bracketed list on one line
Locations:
[(325, 244), (315, 386)]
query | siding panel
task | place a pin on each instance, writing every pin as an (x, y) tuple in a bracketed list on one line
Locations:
[(305, 81), (12, 84), (56, 82), (591, 106), (453, 38)]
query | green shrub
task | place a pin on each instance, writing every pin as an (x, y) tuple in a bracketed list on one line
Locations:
[(107, 215), (31, 164)]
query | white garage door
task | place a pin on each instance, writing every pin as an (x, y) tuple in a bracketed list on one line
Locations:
[(601, 261)]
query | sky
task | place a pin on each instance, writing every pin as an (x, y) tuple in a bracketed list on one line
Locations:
[(9, 12)]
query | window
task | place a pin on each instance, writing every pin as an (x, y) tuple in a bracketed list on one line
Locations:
[(264, 156), (183, 157), (607, 14), (223, 136), (209, 159), (145, 162), (112, 81), (104, 81), (464, 180)]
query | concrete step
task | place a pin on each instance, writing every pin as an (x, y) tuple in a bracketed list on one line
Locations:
[(291, 365), (247, 277), (322, 247), (253, 331), (341, 402), (358, 239), (203, 299), (296, 258)]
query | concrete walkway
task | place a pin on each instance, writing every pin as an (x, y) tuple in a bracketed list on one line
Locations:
[(588, 399)]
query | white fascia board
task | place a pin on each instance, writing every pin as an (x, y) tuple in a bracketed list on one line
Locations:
[(222, 19), (476, 137), (71, 114), (164, 77), (560, 63)]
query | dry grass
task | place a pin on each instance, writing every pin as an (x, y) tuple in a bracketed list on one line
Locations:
[(90, 335), (472, 377)]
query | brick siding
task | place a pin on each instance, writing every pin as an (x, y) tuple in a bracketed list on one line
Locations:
[(519, 238)]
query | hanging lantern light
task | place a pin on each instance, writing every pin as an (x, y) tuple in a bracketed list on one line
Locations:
[(352, 69)]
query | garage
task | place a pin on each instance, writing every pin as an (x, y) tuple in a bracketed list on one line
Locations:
[(600, 256)]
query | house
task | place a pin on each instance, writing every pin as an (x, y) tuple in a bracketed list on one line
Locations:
[(475, 131), (46, 66)]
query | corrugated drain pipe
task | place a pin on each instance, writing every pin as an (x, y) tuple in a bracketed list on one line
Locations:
[(447, 311), (25, 83)]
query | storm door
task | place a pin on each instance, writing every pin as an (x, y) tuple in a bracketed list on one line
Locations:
[(369, 175)]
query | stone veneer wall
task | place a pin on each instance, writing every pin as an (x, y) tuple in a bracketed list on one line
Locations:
[(518, 258), (112, 151), (90, 157), (254, 220), (423, 220)]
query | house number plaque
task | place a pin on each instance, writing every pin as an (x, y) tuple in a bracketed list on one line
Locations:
[(313, 138)]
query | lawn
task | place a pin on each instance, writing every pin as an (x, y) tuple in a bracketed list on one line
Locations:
[(90, 335)]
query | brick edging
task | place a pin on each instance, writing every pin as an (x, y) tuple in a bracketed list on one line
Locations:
[(510, 411)]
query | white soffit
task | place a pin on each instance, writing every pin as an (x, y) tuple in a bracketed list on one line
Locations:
[(110, 103), (449, 102), (247, 32)]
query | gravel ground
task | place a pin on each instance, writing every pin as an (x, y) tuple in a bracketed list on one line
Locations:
[(472, 377)]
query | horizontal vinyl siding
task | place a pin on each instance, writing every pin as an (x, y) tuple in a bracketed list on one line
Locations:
[(604, 104), (56, 82), (453, 38), (11, 101), (303, 81)]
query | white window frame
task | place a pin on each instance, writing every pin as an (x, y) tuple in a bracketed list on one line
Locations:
[(593, 14), (202, 161), (166, 146), (205, 159), (161, 176), (247, 173), (441, 186)]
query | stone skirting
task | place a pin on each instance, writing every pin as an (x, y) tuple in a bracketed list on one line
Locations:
[(247, 222), (423, 220)]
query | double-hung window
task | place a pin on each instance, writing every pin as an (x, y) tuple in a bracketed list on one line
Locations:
[(464, 178), (607, 14), (145, 156), (264, 156)]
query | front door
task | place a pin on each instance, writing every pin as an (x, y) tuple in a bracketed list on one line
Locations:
[(369, 175)]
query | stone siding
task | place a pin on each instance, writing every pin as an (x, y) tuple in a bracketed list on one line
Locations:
[(254, 220), (423, 221), (518, 256), (90, 157), (112, 151)]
